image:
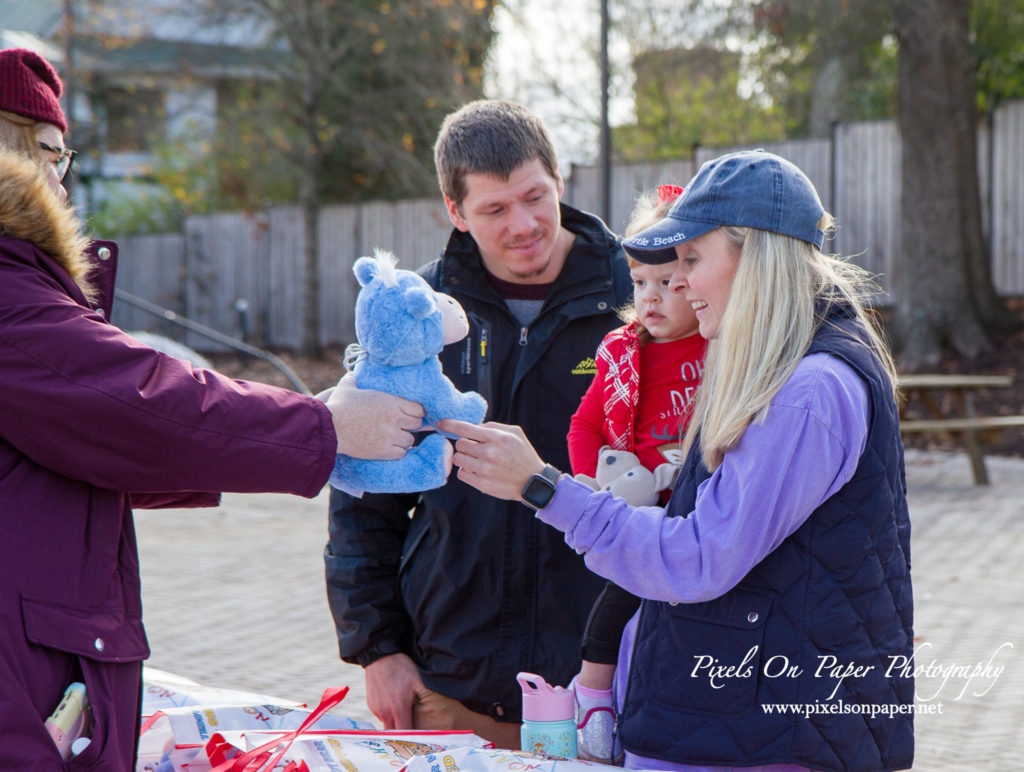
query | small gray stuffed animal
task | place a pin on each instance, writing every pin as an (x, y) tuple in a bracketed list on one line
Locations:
[(620, 473)]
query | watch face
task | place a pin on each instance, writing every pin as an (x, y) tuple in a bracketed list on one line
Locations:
[(538, 492)]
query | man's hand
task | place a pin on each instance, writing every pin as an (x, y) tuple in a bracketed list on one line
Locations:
[(392, 685), (372, 424)]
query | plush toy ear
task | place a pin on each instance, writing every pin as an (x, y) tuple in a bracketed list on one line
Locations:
[(420, 302), (365, 269), (665, 476)]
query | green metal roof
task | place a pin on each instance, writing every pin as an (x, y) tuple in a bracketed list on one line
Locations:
[(148, 55), (39, 17)]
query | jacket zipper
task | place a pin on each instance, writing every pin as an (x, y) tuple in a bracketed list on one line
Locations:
[(523, 332), (615, 733), (482, 357)]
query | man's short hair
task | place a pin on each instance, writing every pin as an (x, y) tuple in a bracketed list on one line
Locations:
[(489, 136)]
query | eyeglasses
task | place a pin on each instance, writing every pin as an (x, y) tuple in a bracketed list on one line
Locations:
[(65, 157)]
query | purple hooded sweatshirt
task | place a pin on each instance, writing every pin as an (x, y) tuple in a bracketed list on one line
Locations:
[(783, 467)]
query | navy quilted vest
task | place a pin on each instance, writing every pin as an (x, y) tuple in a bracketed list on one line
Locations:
[(835, 593)]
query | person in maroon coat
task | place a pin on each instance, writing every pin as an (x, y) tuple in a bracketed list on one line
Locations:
[(93, 422)]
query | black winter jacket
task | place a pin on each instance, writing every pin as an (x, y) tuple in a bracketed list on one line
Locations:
[(475, 589)]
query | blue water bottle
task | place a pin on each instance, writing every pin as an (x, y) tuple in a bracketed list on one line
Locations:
[(549, 717)]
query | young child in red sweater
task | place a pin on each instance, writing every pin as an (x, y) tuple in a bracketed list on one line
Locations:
[(647, 374)]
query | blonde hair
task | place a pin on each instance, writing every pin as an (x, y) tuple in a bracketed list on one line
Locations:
[(782, 292), (18, 133), (29, 210), (646, 212)]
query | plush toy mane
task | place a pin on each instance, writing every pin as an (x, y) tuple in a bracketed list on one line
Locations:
[(387, 274), (387, 263)]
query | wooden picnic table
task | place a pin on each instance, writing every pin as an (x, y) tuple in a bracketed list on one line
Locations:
[(963, 422)]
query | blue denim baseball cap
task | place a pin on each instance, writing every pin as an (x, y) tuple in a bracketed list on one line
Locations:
[(751, 188)]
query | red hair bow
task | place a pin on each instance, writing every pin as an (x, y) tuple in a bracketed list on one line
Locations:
[(669, 193)]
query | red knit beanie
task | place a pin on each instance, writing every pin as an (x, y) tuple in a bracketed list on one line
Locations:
[(30, 87)]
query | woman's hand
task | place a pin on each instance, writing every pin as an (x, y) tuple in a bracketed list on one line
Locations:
[(371, 424), (494, 458)]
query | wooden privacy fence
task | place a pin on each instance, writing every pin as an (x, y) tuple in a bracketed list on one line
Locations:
[(221, 259), (226, 258)]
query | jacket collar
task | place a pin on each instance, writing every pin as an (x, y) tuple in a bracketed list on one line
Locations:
[(582, 273)]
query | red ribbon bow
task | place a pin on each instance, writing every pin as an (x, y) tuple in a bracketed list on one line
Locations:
[(669, 193)]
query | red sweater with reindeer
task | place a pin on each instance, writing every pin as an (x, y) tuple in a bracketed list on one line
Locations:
[(639, 400)]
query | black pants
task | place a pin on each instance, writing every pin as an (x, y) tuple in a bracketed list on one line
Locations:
[(608, 617)]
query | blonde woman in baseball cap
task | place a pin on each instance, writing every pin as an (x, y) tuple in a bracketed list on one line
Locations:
[(92, 424), (776, 628)]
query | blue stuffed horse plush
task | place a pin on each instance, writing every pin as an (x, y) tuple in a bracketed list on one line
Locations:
[(402, 325)]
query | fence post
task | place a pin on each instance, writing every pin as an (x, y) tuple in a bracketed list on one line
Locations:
[(833, 171)]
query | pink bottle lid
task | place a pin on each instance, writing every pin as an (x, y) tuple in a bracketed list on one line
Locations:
[(543, 702)]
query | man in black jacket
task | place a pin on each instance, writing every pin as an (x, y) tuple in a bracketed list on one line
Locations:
[(445, 607)]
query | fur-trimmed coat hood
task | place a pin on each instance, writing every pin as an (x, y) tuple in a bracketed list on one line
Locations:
[(30, 211)]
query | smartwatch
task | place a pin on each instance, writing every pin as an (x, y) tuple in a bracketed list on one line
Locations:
[(540, 488)]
